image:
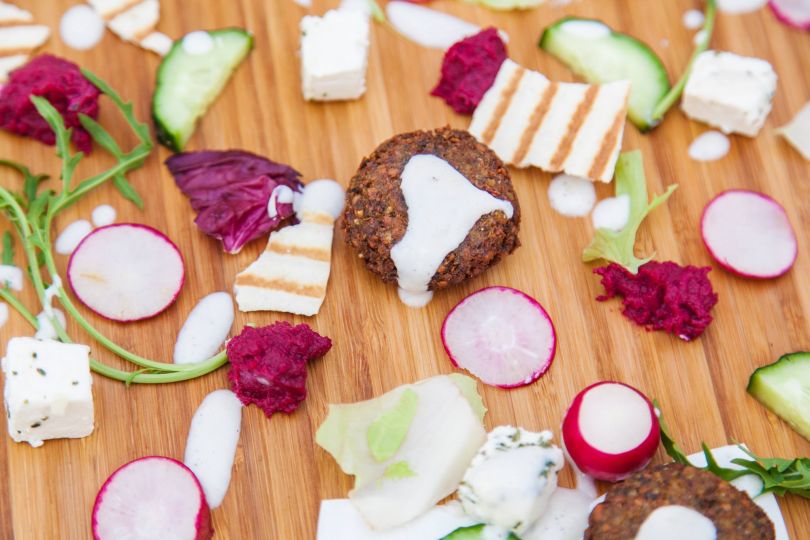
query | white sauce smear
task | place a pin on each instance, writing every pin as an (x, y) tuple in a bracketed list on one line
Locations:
[(571, 196), (442, 208), (211, 443), (428, 27), (699, 38), (280, 195), (205, 329), (81, 27), (11, 277), (198, 43), (693, 19), (586, 29), (709, 146), (46, 329), (611, 213), (740, 6), (675, 522), (72, 235), (103, 215)]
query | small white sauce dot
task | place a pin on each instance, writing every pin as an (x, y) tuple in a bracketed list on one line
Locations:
[(198, 42), (72, 235), (571, 196), (103, 215), (709, 146), (693, 19), (81, 28)]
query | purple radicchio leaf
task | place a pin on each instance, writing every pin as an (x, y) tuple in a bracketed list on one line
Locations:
[(230, 191)]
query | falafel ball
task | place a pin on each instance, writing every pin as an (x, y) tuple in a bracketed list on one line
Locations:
[(376, 215)]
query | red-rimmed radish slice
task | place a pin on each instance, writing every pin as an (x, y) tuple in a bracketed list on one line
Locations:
[(610, 431), (149, 498), (126, 272), (501, 335), (795, 13), (749, 234)]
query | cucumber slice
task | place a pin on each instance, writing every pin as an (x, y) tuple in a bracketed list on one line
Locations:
[(599, 55), (477, 532), (189, 80), (784, 388)]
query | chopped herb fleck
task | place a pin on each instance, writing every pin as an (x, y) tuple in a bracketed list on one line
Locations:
[(75, 383), (41, 371), (35, 425)]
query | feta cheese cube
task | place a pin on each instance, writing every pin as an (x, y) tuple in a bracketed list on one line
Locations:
[(334, 55), (730, 92), (48, 390)]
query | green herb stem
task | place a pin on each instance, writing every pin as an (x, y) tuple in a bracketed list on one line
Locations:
[(12, 300)]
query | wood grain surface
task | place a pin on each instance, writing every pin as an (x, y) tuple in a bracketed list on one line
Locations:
[(280, 476)]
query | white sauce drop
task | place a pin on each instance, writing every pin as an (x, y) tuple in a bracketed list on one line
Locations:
[(211, 443), (740, 6), (586, 29), (103, 215), (611, 213), (81, 27), (280, 195), (428, 27), (699, 38), (46, 329), (709, 146), (614, 418), (571, 196), (3, 314), (205, 329), (442, 208), (11, 277), (198, 42), (322, 197), (675, 522), (693, 19), (304, 3), (72, 235)]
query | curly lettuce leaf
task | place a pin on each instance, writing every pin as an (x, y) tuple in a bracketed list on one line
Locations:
[(615, 246)]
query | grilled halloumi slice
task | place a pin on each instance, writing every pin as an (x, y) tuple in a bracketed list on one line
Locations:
[(135, 21), (19, 38), (528, 120)]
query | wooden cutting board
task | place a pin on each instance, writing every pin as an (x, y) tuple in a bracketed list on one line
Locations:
[(280, 476)]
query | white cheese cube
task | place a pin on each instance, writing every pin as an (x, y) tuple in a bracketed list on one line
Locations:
[(48, 390), (334, 55), (730, 92)]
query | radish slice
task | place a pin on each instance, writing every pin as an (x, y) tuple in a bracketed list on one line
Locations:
[(749, 234), (610, 431), (151, 497), (126, 272), (502, 336), (795, 13)]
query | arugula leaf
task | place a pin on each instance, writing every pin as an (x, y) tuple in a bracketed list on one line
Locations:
[(31, 181), (615, 246), (8, 248), (778, 475)]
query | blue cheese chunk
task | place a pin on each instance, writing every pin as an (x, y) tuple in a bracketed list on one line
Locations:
[(334, 55), (48, 390), (511, 479), (731, 92)]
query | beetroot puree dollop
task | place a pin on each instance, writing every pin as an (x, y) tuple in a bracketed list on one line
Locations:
[(469, 69), (269, 365), (63, 85), (663, 296)]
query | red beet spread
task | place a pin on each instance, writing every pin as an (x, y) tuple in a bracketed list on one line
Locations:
[(63, 85), (469, 69), (269, 365), (663, 296)]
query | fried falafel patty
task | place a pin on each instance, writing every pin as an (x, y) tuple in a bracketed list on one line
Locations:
[(629, 504), (376, 215)]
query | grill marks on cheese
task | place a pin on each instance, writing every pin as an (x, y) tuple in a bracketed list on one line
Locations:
[(530, 121), (19, 38), (135, 21)]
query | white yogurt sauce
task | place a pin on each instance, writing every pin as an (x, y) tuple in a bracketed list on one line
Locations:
[(566, 517), (3, 313), (280, 195), (103, 215), (322, 196), (197, 43), (304, 3), (442, 208), (611, 213), (571, 196), (11, 277), (205, 329), (675, 522), (81, 27), (211, 443), (428, 27), (740, 6), (699, 38), (72, 235), (709, 146), (586, 29), (693, 19), (46, 329)]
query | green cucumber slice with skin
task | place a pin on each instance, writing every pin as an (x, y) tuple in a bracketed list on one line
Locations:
[(187, 83), (474, 532), (784, 388), (595, 52)]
